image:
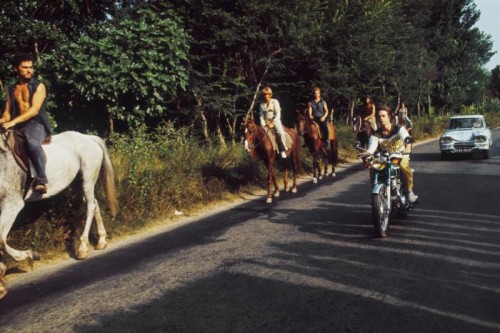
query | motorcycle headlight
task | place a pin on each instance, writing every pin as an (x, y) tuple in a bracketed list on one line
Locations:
[(378, 164), (446, 139), (480, 138), (395, 161)]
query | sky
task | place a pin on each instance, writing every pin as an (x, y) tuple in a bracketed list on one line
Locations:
[(489, 22)]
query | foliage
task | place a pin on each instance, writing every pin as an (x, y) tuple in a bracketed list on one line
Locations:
[(494, 84), (166, 170), (38, 26), (129, 66)]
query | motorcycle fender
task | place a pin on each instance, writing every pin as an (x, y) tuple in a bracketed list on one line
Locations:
[(377, 188)]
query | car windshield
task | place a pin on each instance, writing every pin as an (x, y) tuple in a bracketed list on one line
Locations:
[(465, 123)]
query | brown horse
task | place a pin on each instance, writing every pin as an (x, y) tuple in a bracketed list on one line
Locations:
[(310, 131), (363, 129), (258, 144), (402, 121)]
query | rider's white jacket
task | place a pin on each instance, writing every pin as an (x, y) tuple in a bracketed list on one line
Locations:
[(394, 142)]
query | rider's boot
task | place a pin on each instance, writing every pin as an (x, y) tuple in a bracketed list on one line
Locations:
[(412, 197), (39, 186), (281, 147)]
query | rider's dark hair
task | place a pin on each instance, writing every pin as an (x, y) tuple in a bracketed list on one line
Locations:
[(385, 107), (22, 57)]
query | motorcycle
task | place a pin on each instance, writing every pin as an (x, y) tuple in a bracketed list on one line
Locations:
[(388, 196)]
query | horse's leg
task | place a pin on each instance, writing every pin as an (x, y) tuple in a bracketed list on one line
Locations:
[(3, 282), (9, 210), (270, 177), (315, 168), (276, 186), (326, 160), (89, 179), (285, 178), (83, 249), (101, 231), (334, 155), (295, 167)]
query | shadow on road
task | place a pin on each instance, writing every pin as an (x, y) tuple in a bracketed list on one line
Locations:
[(438, 270)]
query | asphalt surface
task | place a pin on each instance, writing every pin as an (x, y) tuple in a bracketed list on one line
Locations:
[(309, 262)]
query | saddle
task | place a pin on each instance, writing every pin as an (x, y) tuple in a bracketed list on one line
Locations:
[(331, 131), (16, 140), (271, 133)]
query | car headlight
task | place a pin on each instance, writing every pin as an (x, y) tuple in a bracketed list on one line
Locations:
[(446, 139), (480, 138)]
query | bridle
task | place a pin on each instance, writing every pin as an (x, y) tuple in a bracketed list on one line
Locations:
[(254, 144)]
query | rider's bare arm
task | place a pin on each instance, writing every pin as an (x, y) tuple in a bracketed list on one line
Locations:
[(37, 101), (325, 107), (6, 112)]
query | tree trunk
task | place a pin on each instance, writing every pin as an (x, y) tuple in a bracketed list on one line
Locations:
[(259, 84), (351, 112), (203, 118), (111, 124), (218, 131)]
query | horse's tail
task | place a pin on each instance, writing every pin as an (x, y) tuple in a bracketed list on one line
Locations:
[(109, 177)]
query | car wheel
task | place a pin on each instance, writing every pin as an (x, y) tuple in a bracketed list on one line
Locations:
[(444, 155), (486, 154)]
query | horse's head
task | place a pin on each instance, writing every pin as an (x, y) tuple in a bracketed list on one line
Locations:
[(302, 122), (250, 133)]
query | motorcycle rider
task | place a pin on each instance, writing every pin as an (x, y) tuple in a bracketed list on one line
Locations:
[(393, 137)]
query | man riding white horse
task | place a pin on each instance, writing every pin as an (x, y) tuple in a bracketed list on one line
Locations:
[(25, 111)]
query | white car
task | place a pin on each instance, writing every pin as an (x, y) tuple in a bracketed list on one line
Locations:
[(466, 134)]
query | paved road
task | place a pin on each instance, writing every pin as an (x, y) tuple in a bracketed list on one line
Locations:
[(308, 262)]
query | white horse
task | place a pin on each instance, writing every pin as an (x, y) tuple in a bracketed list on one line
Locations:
[(68, 154)]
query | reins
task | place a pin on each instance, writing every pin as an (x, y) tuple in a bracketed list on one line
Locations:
[(254, 145)]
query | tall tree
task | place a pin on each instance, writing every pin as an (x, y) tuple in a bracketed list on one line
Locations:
[(128, 68)]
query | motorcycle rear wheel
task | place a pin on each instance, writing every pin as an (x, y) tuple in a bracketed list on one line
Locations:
[(380, 213)]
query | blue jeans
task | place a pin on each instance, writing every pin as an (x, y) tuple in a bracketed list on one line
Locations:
[(35, 134)]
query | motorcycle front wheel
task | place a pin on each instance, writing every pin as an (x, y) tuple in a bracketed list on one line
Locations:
[(380, 213)]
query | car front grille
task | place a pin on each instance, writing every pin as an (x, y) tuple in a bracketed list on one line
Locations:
[(464, 146)]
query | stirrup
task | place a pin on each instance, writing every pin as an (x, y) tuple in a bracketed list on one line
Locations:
[(39, 187)]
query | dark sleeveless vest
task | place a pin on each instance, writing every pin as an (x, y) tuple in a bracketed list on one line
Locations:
[(318, 109), (41, 117)]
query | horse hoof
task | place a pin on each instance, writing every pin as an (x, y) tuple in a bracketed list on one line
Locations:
[(82, 254), (101, 246), (269, 200), (276, 194), (315, 180), (35, 255), (334, 174), (294, 190), (3, 287)]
